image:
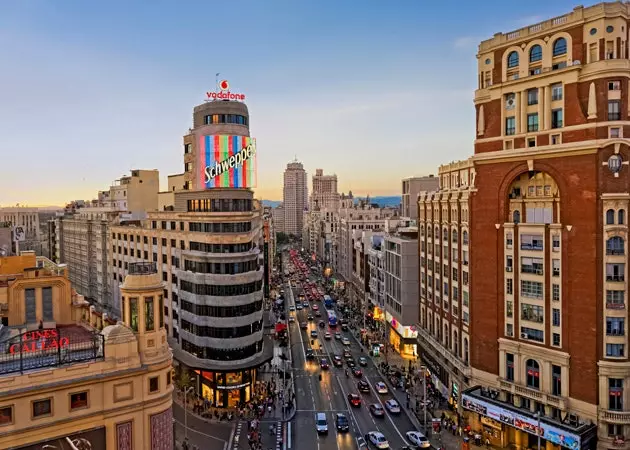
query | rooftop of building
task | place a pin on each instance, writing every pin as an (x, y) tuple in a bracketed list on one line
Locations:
[(579, 15)]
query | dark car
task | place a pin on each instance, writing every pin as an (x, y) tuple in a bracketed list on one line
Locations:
[(341, 422), (304, 325), (347, 354), (355, 400), (310, 318), (363, 361), (310, 354), (324, 364), (357, 372), (321, 324), (363, 386), (337, 361), (350, 363)]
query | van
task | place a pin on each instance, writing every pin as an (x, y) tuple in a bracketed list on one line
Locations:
[(321, 424)]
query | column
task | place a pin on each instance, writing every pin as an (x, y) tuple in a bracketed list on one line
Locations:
[(517, 112), (542, 104), (523, 111), (547, 123)]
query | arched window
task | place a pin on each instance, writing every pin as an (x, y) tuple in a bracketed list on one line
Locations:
[(466, 351), (438, 330), (437, 233), (535, 53), (445, 234), (512, 60), (446, 339), (465, 237), (615, 246), (456, 343), (532, 372), (560, 47), (516, 217), (621, 216), (610, 217), (454, 235)]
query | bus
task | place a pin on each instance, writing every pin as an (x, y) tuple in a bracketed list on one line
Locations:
[(328, 301), (332, 319)]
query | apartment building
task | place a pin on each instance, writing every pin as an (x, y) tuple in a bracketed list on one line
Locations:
[(411, 188), (444, 334), (29, 228), (209, 249), (70, 377), (278, 218), (324, 194), (376, 283), (82, 236), (166, 199), (294, 198)]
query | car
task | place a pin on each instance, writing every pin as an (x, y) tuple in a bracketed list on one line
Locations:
[(381, 388), (350, 363), (363, 386), (323, 363), (315, 308), (313, 333), (321, 424), (347, 354), (344, 327), (338, 336), (321, 324), (357, 372), (318, 313), (310, 318), (341, 422), (298, 306), (377, 439), (354, 400), (304, 325), (345, 341), (291, 319), (305, 304), (291, 308), (310, 354), (377, 410), (363, 361), (392, 406), (337, 361), (418, 439), (327, 336)]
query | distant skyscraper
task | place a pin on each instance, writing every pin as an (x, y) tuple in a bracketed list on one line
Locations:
[(295, 197), (324, 194)]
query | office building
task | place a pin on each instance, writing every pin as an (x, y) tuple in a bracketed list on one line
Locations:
[(324, 194), (294, 198), (209, 250), (278, 218), (72, 379), (411, 188)]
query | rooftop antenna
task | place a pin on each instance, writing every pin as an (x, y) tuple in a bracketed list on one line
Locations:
[(216, 82)]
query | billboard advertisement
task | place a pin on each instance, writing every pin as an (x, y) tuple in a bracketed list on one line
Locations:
[(86, 440), (226, 161)]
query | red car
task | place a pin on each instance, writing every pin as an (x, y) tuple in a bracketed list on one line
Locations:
[(354, 400), (314, 307)]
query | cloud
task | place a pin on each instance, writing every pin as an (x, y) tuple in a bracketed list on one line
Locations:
[(466, 42)]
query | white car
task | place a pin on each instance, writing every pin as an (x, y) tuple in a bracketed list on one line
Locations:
[(327, 335), (418, 439), (377, 439), (345, 341), (291, 308), (291, 318), (392, 406), (381, 388)]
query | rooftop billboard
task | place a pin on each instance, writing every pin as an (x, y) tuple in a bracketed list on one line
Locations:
[(227, 161)]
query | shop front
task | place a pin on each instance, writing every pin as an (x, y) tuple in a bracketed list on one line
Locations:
[(439, 375), (404, 339), (507, 426), (227, 389)]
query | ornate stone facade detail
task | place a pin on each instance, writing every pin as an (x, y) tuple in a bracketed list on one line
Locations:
[(162, 430), (124, 436)]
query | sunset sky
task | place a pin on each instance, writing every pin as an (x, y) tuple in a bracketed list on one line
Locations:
[(372, 91)]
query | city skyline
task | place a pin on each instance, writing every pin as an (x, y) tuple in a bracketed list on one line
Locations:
[(114, 87)]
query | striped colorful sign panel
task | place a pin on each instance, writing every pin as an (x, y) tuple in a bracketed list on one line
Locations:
[(227, 161)]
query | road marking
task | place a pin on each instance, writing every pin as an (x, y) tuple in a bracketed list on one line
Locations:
[(387, 414), (289, 435), (322, 410), (192, 430)]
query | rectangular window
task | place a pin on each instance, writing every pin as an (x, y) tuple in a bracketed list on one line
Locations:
[(133, 313), (615, 272), (555, 317), (31, 305), (556, 139), (509, 286), (615, 299), (532, 334), (615, 394), (555, 242), (149, 314), (510, 126), (614, 110), (532, 96), (615, 350), (509, 366), (508, 240), (187, 148), (509, 308), (531, 289), (556, 92), (556, 380), (465, 298), (47, 303), (556, 118), (161, 310), (614, 85), (555, 266), (509, 263), (532, 265), (614, 132), (533, 313), (42, 408), (78, 400), (556, 339), (531, 242), (509, 330), (169, 378), (6, 415), (555, 292), (615, 326), (154, 384), (532, 122)]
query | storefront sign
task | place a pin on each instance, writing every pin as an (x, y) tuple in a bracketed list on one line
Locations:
[(224, 93), (491, 423), (234, 386), (527, 424), (407, 332), (40, 340)]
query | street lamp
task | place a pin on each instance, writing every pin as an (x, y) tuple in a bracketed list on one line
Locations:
[(538, 428), (186, 392), (423, 372)]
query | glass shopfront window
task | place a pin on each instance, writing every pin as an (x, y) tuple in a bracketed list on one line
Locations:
[(227, 390)]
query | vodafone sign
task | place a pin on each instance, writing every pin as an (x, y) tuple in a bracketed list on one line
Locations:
[(224, 93)]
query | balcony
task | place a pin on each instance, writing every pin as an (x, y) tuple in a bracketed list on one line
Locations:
[(616, 417), (533, 394), (453, 360)]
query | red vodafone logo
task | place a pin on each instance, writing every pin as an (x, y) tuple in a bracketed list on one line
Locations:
[(224, 93), (224, 85)]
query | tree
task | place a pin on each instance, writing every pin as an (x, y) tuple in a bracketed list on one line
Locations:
[(183, 379), (282, 238)]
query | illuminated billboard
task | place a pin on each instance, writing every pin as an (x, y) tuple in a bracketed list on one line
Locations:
[(227, 161)]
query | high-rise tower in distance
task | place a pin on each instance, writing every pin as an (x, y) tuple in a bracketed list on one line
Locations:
[(295, 197)]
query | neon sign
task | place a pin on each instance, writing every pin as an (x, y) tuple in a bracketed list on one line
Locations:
[(40, 340), (224, 93)]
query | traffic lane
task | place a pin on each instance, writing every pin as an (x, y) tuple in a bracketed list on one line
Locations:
[(201, 432), (304, 432)]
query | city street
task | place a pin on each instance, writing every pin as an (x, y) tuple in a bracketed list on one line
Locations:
[(200, 432), (330, 394)]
